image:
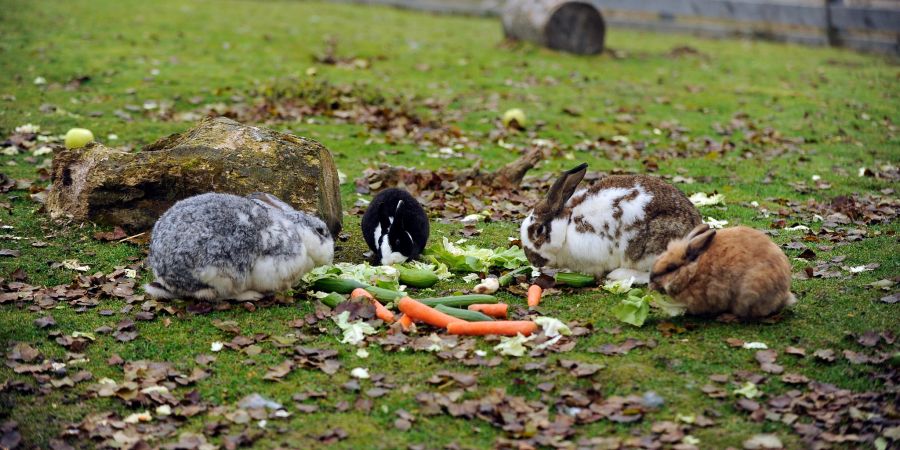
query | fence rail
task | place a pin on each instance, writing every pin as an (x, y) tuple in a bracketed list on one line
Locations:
[(872, 25)]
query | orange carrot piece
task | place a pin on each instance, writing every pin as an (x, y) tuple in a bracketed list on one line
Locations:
[(499, 327), (534, 295), (425, 313), (406, 322), (380, 311), (383, 313), (495, 310), (360, 292)]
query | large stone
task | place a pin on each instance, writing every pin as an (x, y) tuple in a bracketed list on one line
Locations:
[(132, 190)]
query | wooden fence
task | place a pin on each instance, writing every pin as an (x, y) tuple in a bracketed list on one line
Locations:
[(869, 25)]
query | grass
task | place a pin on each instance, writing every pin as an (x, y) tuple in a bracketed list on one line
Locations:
[(843, 104)]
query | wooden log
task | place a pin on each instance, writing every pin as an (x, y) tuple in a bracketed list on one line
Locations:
[(570, 26), (132, 190)]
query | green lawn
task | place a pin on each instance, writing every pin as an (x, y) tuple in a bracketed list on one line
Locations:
[(746, 119)]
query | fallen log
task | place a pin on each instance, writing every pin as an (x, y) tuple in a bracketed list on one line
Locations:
[(132, 190), (570, 26)]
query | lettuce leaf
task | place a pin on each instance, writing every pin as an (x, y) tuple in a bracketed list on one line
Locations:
[(671, 309), (470, 258), (439, 269), (618, 286), (513, 346), (354, 332), (633, 309), (553, 327)]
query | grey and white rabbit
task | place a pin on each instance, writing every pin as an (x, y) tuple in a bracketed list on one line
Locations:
[(221, 246), (617, 226), (395, 227), (737, 270)]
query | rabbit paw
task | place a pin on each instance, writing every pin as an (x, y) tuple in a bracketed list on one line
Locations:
[(248, 296), (205, 294), (157, 290), (622, 274)]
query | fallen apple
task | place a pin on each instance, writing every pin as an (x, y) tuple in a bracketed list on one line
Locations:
[(78, 137), (514, 118)]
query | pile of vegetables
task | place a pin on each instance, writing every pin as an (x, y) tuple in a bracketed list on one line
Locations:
[(445, 312), (473, 314)]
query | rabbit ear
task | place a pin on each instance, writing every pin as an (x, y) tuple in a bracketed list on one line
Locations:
[(269, 201), (560, 192), (699, 244), (697, 230)]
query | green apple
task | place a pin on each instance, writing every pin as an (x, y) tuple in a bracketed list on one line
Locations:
[(78, 137), (514, 118)]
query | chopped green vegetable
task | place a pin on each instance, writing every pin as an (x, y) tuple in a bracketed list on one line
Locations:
[(383, 276), (339, 285), (459, 300), (671, 309), (419, 278), (633, 309), (618, 286), (748, 390), (354, 332), (513, 346), (385, 295), (473, 259), (439, 269), (464, 314), (332, 299), (508, 277), (553, 327), (344, 286), (577, 280)]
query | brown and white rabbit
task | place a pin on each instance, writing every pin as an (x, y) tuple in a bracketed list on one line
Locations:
[(737, 270), (617, 226)]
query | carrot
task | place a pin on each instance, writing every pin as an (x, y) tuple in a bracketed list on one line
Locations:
[(500, 327), (405, 321), (534, 295), (423, 313), (380, 311), (497, 311), (360, 292)]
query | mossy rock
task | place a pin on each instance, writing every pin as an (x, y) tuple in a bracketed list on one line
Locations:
[(132, 190)]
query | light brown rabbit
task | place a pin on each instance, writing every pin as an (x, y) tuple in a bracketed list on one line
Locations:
[(736, 270)]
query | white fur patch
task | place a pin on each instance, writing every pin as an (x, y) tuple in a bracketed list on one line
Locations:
[(388, 255), (621, 274), (207, 294), (243, 218), (157, 292), (392, 258), (248, 296), (377, 236), (272, 274), (594, 253), (222, 282)]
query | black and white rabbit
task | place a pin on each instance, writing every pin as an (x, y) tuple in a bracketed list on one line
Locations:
[(617, 226), (395, 227), (222, 246)]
